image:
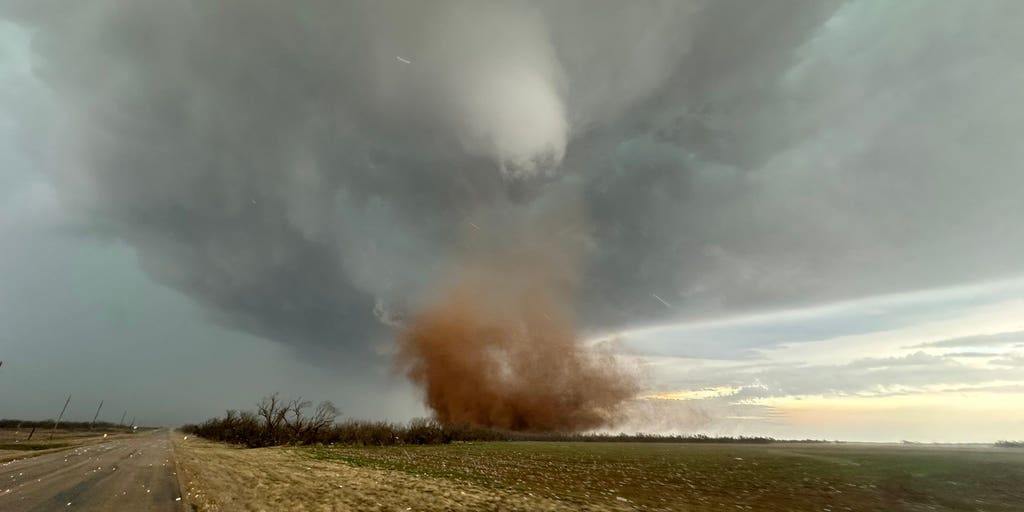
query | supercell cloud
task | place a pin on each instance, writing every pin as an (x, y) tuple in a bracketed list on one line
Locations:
[(309, 171)]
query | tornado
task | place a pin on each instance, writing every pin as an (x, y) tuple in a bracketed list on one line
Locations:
[(496, 346)]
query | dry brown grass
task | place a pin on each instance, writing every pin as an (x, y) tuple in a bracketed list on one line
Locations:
[(217, 477), (603, 476)]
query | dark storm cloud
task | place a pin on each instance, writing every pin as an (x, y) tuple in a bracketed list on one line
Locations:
[(305, 169), (867, 153)]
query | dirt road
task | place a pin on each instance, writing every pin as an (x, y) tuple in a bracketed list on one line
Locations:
[(135, 473)]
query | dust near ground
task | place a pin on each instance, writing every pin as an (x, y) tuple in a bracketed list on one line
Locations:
[(523, 369), (497, 345), (217, 477)]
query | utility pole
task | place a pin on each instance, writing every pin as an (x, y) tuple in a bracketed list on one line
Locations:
[(133, 423), (97, 415), (54, 431), (122, 418)]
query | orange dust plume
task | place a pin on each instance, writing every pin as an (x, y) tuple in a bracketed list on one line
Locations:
[(497, 346)]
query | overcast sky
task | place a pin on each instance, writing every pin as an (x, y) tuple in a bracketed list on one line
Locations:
[(801, 218)]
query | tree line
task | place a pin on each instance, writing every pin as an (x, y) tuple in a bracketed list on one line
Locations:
[(64, 425), (278, 422), (281, 422)]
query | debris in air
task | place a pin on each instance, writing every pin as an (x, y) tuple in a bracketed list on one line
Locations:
[(403, 60), (661, 300)]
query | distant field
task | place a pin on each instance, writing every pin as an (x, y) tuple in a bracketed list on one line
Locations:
[(14, 443), (718, 477)]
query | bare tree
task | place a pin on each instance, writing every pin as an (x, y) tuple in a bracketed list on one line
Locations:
[(275, 422), (323, 417), (295, 423), (273, 412)]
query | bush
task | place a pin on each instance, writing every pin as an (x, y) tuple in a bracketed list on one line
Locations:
[(277, 422)]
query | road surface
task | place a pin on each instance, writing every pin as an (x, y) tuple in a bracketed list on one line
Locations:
[(134, 473)]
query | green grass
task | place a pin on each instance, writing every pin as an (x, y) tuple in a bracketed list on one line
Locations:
[(720, 477)]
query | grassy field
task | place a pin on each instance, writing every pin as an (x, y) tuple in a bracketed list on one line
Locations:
[(218, 477), (15, 444), (718, 477)]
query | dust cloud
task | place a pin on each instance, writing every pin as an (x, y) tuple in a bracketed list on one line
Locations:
[(497, 346)]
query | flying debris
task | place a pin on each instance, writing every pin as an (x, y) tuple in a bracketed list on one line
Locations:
[(403, 60), (475, 226), (661, 300)]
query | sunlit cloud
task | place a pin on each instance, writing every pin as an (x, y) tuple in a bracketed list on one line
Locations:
[(694, 394), (950, 416), (874, 354)]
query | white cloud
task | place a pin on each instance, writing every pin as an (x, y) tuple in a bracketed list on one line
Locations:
[(789, 367)]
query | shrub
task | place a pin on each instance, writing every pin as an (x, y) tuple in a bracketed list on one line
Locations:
[(279, 422)]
